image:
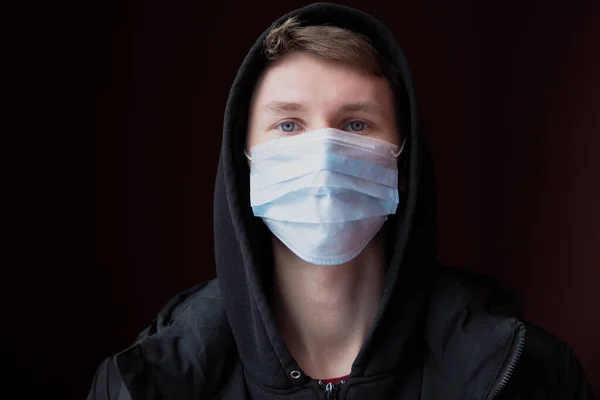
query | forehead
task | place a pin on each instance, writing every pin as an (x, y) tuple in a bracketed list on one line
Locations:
[(312, 82)]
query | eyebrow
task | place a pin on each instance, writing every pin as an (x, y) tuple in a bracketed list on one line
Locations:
[(280, 107), (362, 105)]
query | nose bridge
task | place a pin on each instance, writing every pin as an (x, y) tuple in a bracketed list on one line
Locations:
[(324, 116), (322, 123)]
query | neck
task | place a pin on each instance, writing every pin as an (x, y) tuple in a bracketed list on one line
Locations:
[(324, 313)]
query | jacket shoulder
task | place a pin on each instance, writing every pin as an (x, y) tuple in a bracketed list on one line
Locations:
[(489, 294), (184, 353), (107, 383), (548, 369), (206, 296)]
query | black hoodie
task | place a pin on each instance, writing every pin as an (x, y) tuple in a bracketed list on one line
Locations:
[(438, 334)]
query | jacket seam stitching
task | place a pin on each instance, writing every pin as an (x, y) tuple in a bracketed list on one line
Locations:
[(447, 380), (162, 392)]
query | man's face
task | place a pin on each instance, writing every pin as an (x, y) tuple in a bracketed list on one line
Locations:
[(301, 93)]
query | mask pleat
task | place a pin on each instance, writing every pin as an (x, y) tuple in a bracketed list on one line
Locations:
[(325, 193)]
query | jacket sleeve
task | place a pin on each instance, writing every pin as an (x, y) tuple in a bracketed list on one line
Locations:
[(107, 383), (548, 370), (576, 386)]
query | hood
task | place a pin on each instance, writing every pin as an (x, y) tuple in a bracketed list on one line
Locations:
[(242, 242)]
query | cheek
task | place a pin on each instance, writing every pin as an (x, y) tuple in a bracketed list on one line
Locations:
[(256, 137), (251, 139), (257, 132), (391, 130), (390, 135), (253, 135)]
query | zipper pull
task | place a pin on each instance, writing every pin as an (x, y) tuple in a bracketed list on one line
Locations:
[(331, 389)]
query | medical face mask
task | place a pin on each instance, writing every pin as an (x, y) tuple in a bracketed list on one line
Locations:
[(326, 193)]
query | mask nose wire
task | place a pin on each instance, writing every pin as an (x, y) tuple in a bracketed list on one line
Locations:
[(393, 153), (399, 151)]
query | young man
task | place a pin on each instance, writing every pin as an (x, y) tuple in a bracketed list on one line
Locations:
[(325, 236)]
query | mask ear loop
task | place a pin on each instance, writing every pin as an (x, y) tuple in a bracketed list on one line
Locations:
[(399, 151), (247, 155)]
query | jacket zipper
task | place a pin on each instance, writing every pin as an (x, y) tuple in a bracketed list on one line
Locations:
[(330, 389), (503, 380)]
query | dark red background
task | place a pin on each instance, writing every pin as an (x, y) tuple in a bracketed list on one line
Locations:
[(119, 139)]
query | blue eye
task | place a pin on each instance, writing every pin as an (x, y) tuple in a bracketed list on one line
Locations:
[(356, 126), (287, 126)]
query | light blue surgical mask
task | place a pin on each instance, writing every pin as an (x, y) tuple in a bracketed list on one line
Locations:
[(326, 193)]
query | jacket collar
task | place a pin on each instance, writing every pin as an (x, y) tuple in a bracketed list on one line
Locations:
[(467, 350)]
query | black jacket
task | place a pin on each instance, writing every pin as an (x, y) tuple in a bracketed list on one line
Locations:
[(439, 333)]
